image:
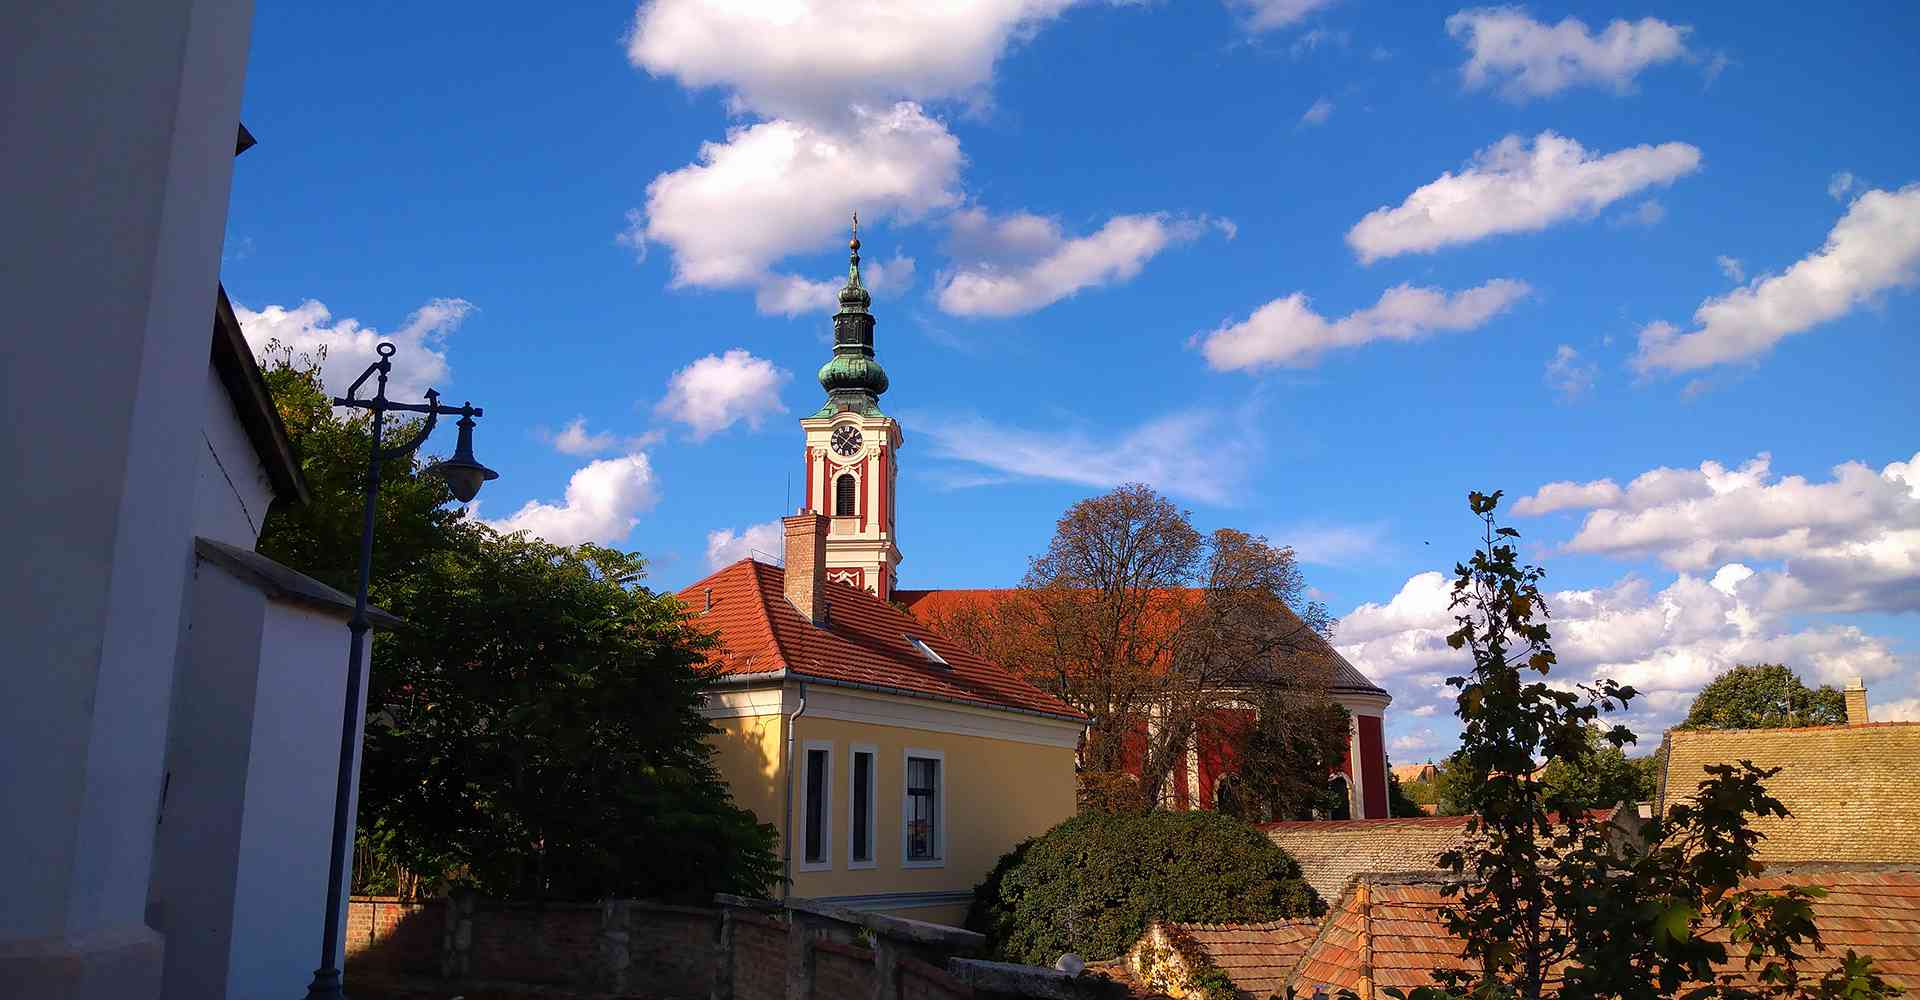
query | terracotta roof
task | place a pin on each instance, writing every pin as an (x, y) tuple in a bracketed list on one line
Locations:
[(1400, 921), (1849, 788), (929, 605), (1256, 956), (864, 643), (1871, 909), (1332, 852)]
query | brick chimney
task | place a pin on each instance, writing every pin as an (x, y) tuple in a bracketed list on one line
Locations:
[(1856, 703), (806, 574)]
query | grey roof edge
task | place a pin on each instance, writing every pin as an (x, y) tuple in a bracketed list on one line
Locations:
[(284, 583), (246, 385)]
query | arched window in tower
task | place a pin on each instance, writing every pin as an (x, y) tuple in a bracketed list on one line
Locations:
[(845, 495)]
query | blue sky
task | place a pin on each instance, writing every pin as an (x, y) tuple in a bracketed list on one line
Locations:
[(1314, 268)]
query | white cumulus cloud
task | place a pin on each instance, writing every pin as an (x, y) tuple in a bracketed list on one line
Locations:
[(1668, 643), (791, 295), (726, 546), (1288, 332), (604, 500), (1529, 59), (719, 390), (1038, 265), (782, 186), (419, 361), (1874, 248), (1568, 496), (1511, 187), (813, 58)]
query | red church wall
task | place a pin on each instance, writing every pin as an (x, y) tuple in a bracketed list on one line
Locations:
[(1218, 742), (1373, 764)]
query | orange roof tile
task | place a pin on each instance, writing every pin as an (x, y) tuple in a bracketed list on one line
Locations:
[(933, 605), (1256, 956), (1871, 909), (864, 643)]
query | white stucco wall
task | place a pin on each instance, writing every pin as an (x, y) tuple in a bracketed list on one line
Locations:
[(231, 487), (240, 865), (125, 115)]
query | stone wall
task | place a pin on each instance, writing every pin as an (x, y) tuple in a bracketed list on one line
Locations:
[(741, 950)]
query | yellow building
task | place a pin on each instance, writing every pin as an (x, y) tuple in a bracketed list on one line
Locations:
[(898, 766)]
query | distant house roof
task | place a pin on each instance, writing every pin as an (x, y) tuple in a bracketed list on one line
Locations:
[(1332, 852), (1410, 773), (252, 402), (934, 605), (866, 643), (1850, 789), (1256, 956), (1398, 922)]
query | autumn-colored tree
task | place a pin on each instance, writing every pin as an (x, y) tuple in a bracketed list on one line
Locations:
[(1132, 614)]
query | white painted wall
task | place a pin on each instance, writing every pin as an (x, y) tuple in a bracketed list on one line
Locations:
[(115, 211), (240, 864), (231, 487)]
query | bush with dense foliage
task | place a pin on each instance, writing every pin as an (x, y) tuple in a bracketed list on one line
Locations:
[(1092, 884), (1764, 696)]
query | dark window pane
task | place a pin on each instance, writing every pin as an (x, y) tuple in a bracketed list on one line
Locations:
[(862, 805), (845, 496), (816, 849), (923, 796)]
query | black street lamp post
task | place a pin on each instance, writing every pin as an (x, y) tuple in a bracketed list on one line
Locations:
[(464, 476)]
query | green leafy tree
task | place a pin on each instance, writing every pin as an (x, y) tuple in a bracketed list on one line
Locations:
[(1764, 696), (1452, 789), (1092, 884), (533, 728), (1600, 779), (1544, 903)]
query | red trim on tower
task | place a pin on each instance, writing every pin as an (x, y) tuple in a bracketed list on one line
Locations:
[(809, 501), (880, 486), (880, 581), (866, 489), (1373, 766)]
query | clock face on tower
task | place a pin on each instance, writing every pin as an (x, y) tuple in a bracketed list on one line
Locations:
[(846, 440)]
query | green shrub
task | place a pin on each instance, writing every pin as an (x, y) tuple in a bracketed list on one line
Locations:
[(1092, 884)]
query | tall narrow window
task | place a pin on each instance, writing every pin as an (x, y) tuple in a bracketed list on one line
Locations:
[(860, 833), (816, 831), (923, 819), (846, 492)]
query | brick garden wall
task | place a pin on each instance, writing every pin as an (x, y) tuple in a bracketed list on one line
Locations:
[(750, 950), (759, 957), (842, 970)]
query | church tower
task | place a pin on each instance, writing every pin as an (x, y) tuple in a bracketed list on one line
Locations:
[(851, 446)]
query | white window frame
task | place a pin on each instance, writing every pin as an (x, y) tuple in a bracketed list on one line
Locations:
[(944, 849), (800, 862), (873, 806)]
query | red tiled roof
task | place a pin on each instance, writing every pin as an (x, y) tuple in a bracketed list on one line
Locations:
[(1256, 956), (933, 605), (1871, 909), (864, 643)]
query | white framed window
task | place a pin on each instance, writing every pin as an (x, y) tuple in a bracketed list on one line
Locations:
[(923, 810), (815, 849), (863, 786)]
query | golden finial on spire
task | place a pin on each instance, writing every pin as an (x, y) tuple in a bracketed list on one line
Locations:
[(854, 244)]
